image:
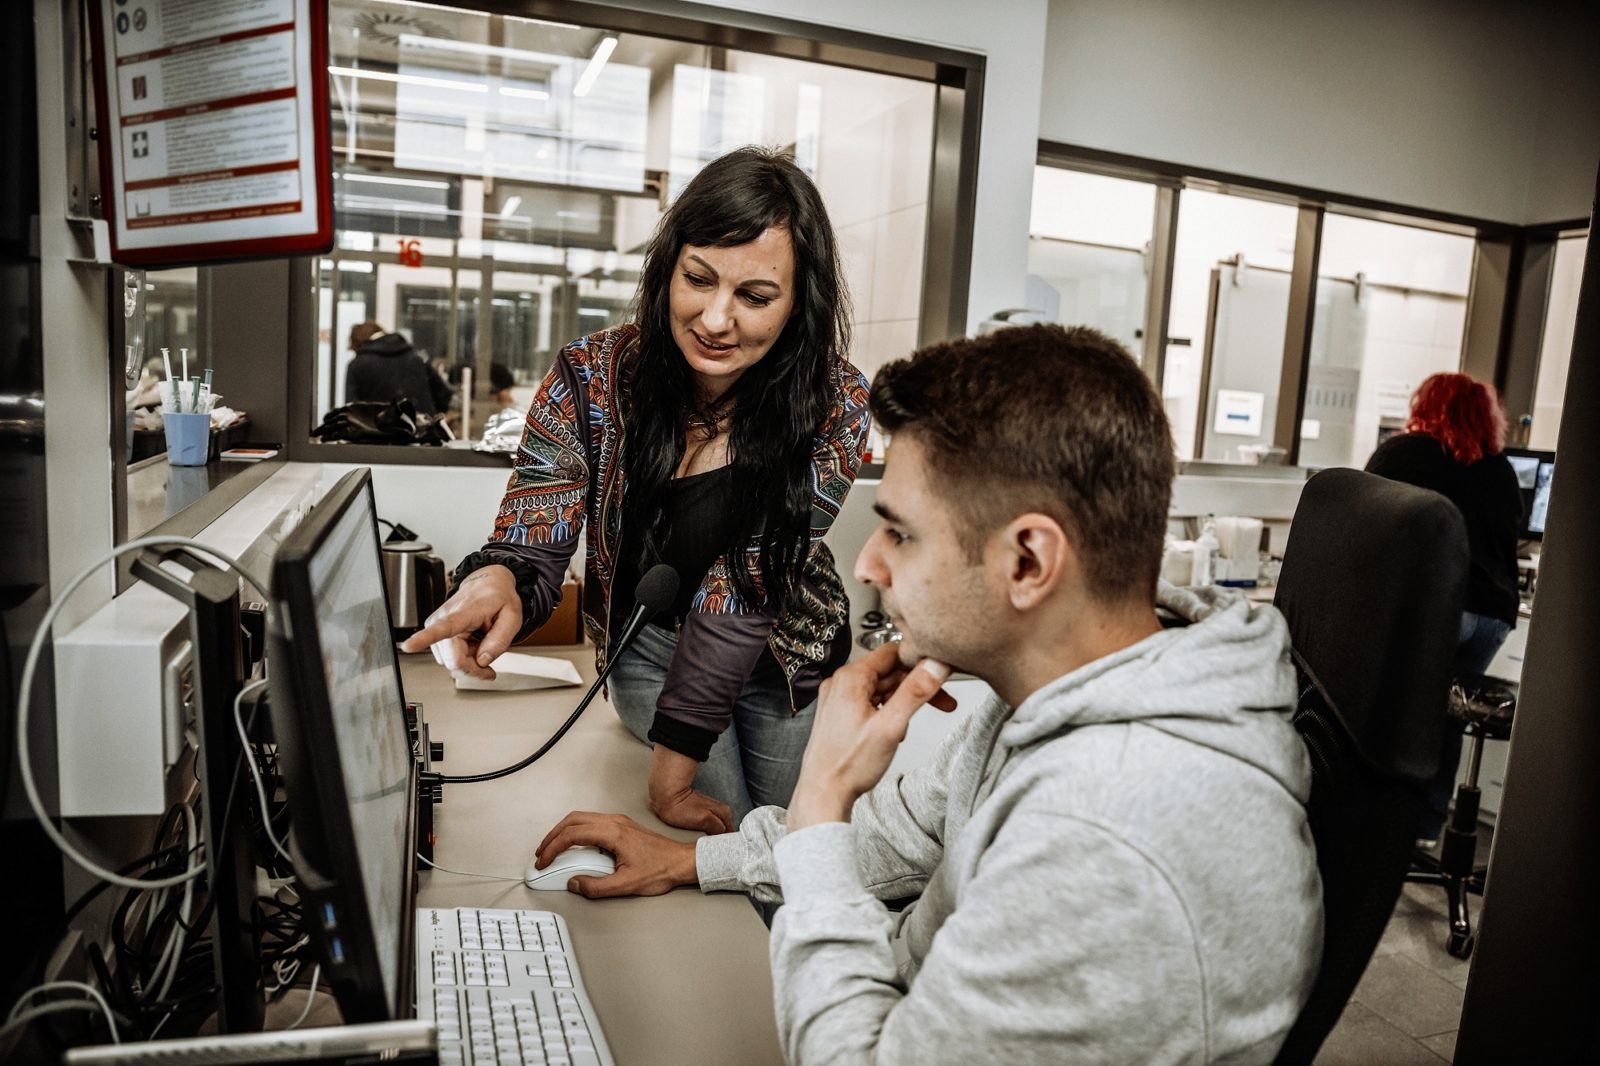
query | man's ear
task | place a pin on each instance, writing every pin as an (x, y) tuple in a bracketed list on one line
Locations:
[(1039, 559)]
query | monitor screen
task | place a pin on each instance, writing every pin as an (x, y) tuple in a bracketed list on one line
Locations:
[(1534, 470), (338, 714), (1541, 497)]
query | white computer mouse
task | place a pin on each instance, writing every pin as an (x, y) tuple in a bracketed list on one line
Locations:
[(587, 862)]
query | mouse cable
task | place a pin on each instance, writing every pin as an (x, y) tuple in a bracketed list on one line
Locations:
[(464, 873)]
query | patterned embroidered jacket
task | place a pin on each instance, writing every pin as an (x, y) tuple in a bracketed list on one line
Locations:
[(568, 471)]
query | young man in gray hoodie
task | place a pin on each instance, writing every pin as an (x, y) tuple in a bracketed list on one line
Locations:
[(1111, 857)]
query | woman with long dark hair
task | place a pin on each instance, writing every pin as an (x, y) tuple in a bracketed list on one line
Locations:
[(718, 432), (1452, 444)]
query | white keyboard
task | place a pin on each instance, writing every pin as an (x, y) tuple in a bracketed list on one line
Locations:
[(503, 987)]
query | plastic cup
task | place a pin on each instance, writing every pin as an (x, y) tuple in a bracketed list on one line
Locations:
[(188, 437)]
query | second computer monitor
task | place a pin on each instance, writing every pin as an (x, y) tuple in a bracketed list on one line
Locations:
[(1535, 470)]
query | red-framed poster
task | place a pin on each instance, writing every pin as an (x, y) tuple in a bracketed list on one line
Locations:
[(213, 120)]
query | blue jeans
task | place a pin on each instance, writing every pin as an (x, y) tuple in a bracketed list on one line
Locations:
[(756, 761), (1481, 636)]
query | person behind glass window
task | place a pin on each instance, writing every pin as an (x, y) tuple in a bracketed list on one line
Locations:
[(386, 367), (501, 384), (718, 432), (1452, 444)]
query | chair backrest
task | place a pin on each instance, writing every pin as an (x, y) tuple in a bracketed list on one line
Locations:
[(1372, 584)]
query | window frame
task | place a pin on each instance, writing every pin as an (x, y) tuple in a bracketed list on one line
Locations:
[(958, 78), (1506, 298)]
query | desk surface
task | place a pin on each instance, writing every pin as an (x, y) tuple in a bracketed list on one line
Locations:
[(680, 978)]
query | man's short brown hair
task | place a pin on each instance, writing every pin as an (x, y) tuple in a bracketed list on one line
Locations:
[(1041, 418)]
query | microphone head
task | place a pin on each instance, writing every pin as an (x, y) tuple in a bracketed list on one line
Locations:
[(657, 588)]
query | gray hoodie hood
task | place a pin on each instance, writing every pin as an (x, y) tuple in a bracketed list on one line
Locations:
[(1200, 682)]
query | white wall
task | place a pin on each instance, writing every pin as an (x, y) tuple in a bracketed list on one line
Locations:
[(1555, 352), (1483, 109), (452, 508), (1011, 34), (1563, 151)]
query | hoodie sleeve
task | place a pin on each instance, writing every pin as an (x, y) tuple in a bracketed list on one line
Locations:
[(1068, 946), (898, 839)]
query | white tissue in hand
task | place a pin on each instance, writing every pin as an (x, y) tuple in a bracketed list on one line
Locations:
[(515, 670)]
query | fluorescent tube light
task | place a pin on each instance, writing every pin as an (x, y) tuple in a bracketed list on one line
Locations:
[(596, 63), (378, 179), (509, 208), (410, 79)]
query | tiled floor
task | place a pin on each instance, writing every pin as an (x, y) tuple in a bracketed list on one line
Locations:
[(1407, 1008)]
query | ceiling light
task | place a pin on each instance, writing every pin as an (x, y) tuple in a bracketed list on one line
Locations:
[(410, 79), (596, 62), (509, 208), (378, 179), (525, 94)]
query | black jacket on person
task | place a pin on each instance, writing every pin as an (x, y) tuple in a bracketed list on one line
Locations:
[(1488, 498), (388, 368)]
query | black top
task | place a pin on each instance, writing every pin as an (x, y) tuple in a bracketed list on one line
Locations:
[(700, 512), (1486, 494), (700, 517), (388, 368)]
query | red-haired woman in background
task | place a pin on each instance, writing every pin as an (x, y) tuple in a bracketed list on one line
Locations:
[(1452, 445)]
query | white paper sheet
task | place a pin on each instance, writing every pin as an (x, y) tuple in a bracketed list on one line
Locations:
[(516, 670)]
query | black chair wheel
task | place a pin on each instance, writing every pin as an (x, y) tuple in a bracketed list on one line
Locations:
[(1460, 945)]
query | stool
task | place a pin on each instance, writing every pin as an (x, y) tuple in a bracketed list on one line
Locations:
[(1484, 706)]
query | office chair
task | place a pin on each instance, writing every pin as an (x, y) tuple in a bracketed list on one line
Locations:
[(1372, 583), (1482, 707)]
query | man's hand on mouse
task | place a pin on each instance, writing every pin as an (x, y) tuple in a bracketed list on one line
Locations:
[(648, 864), (863, 711), (476, 624)]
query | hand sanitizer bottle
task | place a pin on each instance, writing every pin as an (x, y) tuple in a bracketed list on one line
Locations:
[(1205, 554)]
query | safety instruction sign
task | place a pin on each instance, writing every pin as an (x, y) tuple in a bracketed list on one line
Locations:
[(213, 121)]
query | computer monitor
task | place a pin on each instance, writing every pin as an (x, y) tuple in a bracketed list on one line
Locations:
[(337, 715), (1534, 472)]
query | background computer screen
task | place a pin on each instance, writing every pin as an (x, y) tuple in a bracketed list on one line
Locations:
[(1541, 497), (1534, 470), (338, 717)]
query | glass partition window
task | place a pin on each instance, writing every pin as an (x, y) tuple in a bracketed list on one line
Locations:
[(1391, 308), (498, 179), (1555, 350), (1088, 251), (1225, 325), (162, 312)]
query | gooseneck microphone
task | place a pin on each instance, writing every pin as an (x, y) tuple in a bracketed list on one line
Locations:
[(653, 595)]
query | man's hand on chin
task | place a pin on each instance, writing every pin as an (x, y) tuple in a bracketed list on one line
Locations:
[(863, 712), (648, 864)]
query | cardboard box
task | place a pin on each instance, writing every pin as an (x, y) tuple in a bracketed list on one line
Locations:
[(565, 624)]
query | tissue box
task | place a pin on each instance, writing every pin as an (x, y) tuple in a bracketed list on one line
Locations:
[(565, 624)]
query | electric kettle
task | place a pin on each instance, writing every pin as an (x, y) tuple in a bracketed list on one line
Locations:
[(414, 577)]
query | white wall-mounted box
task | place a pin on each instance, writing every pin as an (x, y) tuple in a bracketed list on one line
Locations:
[(119, 728)]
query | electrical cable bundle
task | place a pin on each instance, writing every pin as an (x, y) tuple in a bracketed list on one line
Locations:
[(156, 976)]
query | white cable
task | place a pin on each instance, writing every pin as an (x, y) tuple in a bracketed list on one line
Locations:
[(164, 1019), (185, 909), (255, 771), (25, 692), (465, 873), (311, 994), (20, 1016)]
